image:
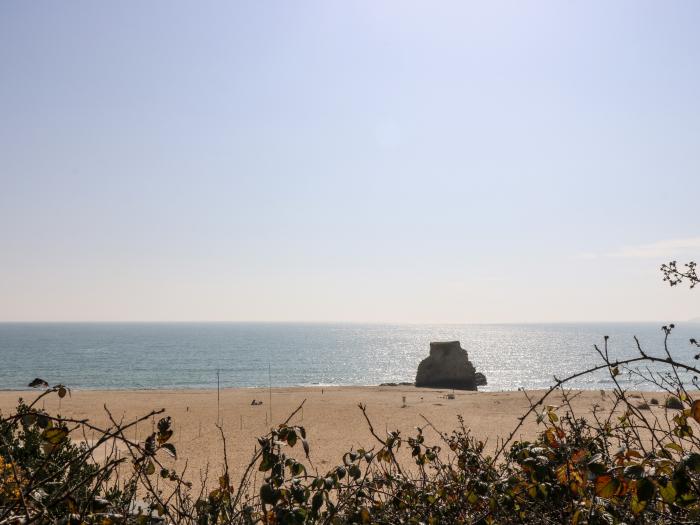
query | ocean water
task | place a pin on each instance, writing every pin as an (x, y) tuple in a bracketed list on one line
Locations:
[(188, 355)]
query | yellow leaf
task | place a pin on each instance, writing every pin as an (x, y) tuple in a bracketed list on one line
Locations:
[(569, 475), (577, 516), (668, 492), (674, 446), (637, 506), (54, 435), (551, 437)]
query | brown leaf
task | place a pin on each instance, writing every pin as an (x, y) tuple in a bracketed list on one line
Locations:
[(695, 410), (606, 486)]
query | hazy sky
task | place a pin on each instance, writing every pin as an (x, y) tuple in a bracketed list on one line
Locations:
[(348, 161)]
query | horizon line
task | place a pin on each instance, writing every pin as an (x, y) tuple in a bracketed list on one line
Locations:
[(422, 323)]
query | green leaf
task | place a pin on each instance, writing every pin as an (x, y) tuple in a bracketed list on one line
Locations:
[(267, 462), (164, 436), (268, 494), (692, 461), (170, 449), (316, 502), (354, 471), (297, 469), (54, 435), (597, 468), (633, 471), (645, 489)]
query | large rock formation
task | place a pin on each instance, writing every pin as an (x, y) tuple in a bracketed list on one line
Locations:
[(448, 366)]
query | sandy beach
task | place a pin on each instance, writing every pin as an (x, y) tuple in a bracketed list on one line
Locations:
[(330, 415)]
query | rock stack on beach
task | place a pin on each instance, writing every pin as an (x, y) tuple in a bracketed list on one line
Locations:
[(448, 366)]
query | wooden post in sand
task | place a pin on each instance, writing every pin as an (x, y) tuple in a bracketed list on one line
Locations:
[(218, 420), (269, 377)]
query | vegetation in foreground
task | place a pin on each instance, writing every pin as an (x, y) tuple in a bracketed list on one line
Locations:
[(628, 465)]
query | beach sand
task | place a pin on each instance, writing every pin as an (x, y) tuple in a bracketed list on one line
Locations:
[(332, 419)]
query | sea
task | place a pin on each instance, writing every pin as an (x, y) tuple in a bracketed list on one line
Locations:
[(200, 355)]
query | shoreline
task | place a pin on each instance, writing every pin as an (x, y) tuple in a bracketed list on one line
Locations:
[(604, 387)]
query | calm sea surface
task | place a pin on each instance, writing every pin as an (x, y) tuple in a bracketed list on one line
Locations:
[(187, 355)]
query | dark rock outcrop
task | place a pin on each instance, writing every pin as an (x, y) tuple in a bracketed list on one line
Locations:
[(480, 379), (448, 366)]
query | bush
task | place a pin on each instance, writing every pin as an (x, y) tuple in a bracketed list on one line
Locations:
[(48, 474), (673, 403)]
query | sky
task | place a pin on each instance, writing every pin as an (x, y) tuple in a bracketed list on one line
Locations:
[(365, 161)]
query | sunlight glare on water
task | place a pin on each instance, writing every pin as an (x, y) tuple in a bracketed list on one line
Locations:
[(187, 355)]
